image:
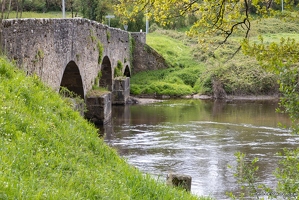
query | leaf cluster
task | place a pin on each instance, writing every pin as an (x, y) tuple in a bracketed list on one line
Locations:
[(283, 59)]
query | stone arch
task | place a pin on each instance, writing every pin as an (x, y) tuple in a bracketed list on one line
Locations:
[(72, 80), (127, 72), (106, 70)]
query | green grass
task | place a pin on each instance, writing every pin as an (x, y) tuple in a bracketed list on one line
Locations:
[(173, 50), (48, 151), (51, 14), (171, 81), (179, 79)]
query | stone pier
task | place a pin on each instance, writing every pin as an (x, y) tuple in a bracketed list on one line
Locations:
[(121, 90), (179, 180), (98, 108)]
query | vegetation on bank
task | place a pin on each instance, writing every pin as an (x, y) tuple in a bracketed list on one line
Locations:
[(48, 151), (207, 69)]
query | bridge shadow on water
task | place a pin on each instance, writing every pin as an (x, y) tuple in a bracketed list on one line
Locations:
[(121, 114)]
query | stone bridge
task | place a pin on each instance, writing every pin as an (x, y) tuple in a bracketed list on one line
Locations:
[(76, 53)]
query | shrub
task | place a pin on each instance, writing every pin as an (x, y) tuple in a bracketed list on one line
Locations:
[(100, 47), (118, 69)]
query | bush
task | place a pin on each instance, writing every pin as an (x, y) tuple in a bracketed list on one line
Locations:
[(154, 27), (34, 5), (165, 88), (188, 75), (246, 78)]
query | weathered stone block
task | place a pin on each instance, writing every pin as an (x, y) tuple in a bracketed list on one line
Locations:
[(179, 180), (121, 91), (99, 108)]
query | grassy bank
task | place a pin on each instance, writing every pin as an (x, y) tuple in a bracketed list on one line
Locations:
[(208, 70), (179, 79), (48, 151)]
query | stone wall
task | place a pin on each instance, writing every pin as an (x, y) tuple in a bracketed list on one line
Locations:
[(144, 57), (139, 36)]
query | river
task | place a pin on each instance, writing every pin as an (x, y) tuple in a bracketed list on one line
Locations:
[(199, 138)]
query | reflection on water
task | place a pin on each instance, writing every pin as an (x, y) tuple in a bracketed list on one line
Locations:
[(199, 138)]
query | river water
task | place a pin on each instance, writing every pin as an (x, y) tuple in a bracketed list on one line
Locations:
[(199, 138)]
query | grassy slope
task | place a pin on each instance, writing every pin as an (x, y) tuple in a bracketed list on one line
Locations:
[(177, 80), (49, 152), (199, 66)]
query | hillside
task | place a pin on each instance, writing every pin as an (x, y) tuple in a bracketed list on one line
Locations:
[(208, 69), (48, 151)]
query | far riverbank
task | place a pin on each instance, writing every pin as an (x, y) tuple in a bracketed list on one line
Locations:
[(147, 99)]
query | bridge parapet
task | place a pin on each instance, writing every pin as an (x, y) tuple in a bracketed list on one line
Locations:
[(139, 36)]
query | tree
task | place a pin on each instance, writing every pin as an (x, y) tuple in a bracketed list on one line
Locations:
[(225, 18), (95, 9), (220, 17)]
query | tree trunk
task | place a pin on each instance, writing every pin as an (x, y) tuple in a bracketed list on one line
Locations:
[(2, 9), (72, 9), (9, 6), (1, 29), (17, 11), (1, 25), (22, 3)]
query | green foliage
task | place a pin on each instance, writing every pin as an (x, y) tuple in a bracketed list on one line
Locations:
[(281, 58), (132, 48), (97, 81), (97, 91), (108, 33), (273, 26), (118, 69), (288, 173), (245, 173), (34, 5), (198, 67), (162, 88), (159, 82), (88, 9), (99, 45), (154, 27), (241, 79), (93, 38), (48, 151), (78, 57), (73, 100), (172, 48), (40, 54), (51, 14), (188, 75), (136, 24), (100, 48), (287, 177)]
